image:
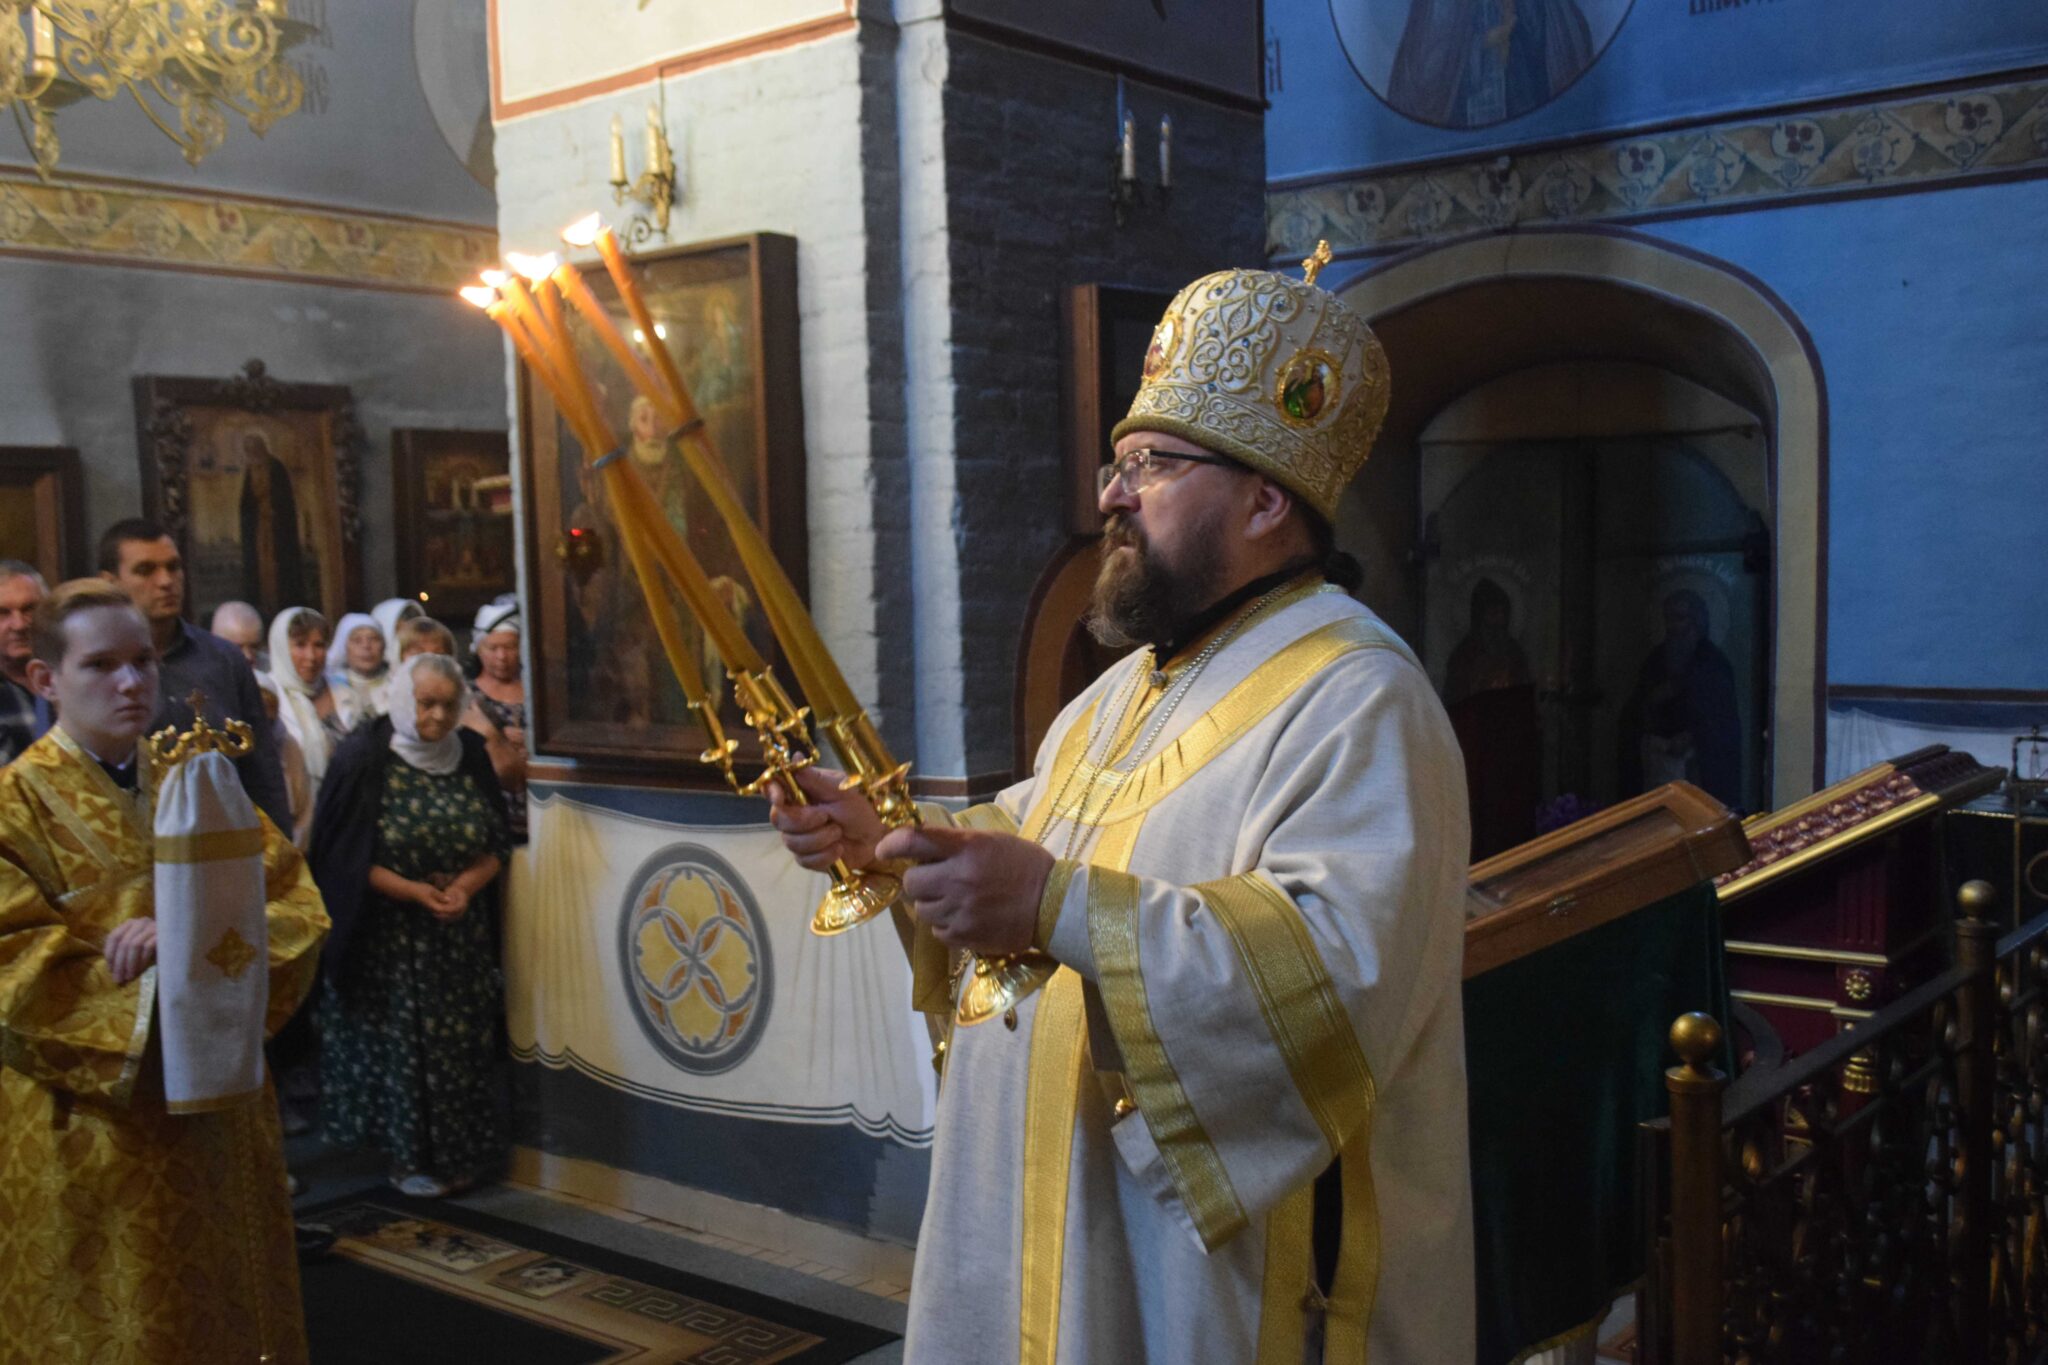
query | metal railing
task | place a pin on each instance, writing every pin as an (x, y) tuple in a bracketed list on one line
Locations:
[(1881, 1198)]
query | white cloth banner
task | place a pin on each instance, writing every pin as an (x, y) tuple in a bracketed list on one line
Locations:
[(676, 963), (212, 940), (1859, 739)]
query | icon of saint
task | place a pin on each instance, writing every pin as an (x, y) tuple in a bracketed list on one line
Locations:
[(275, 570)]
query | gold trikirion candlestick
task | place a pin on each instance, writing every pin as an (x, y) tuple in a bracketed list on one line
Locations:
[(870, 767), (656, 550), (995, 985), (789, 745)]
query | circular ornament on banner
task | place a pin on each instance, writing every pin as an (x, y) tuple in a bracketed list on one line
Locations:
[(694, 950)]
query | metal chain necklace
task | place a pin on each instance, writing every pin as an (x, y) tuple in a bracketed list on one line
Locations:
[(1121, 707)]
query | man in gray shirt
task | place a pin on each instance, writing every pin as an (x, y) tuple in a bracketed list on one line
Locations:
[(24, 715), (143, 560)]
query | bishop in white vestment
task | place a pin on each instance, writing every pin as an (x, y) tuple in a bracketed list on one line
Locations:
[(1231, 1125)]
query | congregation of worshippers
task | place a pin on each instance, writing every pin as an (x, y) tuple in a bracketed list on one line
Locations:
[(318, 699), (833, 683)]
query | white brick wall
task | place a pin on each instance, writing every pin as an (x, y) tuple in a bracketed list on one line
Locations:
[(771, 144), (944, 191)]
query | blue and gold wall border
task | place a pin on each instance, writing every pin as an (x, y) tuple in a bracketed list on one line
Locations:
[(132, 223), (1979, 132)]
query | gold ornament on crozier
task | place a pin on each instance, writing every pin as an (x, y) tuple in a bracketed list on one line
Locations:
[(232, 955)]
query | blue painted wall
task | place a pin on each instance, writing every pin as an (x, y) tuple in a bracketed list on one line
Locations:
[(1922, 302), (1667, 60), (1925, 312)]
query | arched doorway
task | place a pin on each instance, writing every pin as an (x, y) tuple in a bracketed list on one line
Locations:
[(1460, 319)]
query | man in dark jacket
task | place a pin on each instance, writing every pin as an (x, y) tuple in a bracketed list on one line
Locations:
[(144, 561)]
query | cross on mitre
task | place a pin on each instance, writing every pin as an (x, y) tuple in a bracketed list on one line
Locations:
[(1312, 264)]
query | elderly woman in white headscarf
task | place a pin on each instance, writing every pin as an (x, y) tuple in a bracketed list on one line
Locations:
[(408, 839), (498, 708), (389, 615), (357, 669)]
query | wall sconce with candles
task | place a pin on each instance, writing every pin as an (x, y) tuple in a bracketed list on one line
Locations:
[(1126, 192), (655, 186)]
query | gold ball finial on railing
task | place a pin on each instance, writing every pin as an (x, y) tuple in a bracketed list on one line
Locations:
[(1696, 1038), (1977, 899)]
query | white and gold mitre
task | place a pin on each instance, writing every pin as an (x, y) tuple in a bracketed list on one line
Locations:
[(1272, 372)]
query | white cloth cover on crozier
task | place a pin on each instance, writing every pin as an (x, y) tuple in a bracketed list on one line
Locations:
[(212, 943)]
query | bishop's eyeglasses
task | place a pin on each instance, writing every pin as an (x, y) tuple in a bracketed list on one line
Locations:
[(1141, 469)]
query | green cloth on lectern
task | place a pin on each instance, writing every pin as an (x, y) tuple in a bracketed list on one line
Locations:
[(1565, 1052)]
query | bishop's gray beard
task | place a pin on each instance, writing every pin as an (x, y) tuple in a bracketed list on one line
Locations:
[(1140, 597), (1131, 603)]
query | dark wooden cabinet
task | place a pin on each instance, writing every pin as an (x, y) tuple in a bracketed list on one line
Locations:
[(1839, 909)]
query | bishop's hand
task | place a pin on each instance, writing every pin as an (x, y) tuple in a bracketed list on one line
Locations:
[(837, 825), (977, 889)]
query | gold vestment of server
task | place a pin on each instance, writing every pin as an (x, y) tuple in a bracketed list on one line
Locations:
[(127, 1234)]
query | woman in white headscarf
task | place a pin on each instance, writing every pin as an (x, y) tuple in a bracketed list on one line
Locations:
[(298, 788), (498, 709), (357, 668), (298, 659), (408, 839), (389, 614)]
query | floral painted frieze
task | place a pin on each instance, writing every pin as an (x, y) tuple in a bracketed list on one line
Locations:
[(150, 225), (1855, 147)]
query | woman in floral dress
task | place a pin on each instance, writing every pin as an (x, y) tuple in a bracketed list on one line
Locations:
[(408, 839)]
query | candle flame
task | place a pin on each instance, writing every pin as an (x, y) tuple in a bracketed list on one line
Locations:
[(535, 268), (483, 296), (583, 232), (494, 278)]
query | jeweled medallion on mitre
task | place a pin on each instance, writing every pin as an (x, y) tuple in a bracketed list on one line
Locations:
[(1308, 385), (1160, 353)]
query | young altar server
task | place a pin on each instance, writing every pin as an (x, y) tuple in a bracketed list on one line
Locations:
[(136, 1227)]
